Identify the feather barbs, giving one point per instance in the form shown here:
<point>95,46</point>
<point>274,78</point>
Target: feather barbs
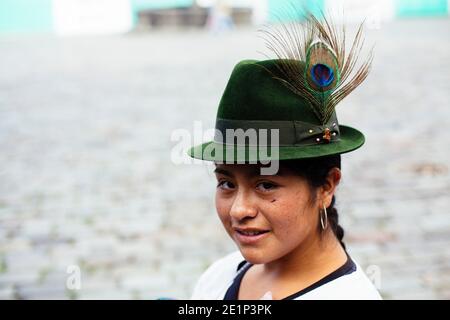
<point>329,73</point>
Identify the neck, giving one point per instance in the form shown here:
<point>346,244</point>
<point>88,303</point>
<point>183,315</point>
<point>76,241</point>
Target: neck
<point>317,256</point>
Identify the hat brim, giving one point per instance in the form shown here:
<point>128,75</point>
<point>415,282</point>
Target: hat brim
<point>350,139</point>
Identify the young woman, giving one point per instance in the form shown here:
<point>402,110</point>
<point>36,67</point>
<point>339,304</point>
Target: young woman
<point>284,224</point>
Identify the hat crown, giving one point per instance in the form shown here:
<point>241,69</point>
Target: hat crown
<point>254,92</point>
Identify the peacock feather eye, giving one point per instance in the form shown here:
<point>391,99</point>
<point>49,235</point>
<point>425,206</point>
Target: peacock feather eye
<point>322,75</point>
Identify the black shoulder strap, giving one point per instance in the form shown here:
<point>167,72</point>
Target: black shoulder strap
<point>240,265</point>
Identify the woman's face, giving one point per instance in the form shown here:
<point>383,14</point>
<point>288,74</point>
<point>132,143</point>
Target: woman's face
<point>267,216</point>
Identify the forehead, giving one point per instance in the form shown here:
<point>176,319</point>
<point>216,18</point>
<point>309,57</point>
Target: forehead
<point>247,170</point>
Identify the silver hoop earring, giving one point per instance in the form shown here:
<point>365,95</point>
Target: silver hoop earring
<point>324,224</point>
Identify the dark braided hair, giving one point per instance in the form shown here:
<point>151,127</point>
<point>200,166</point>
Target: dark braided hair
<point>315,171</point>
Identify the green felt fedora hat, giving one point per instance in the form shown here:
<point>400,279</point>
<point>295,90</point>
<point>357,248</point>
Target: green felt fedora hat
<point>256,99</point>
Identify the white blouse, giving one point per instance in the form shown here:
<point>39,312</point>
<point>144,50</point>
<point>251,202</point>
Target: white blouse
<point>222,279</point>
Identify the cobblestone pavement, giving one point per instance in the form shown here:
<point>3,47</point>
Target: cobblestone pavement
<point>86,177</point>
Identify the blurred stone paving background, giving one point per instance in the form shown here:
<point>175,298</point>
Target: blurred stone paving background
<point>86,177</point>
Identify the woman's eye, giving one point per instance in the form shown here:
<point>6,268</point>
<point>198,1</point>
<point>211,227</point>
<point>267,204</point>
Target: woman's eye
<point>266,186</point>
<point>227,185</point>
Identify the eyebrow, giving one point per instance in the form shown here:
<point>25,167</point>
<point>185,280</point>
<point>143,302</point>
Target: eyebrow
<point>223,171</point>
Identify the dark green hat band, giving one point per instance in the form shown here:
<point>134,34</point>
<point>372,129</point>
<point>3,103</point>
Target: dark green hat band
<point>291,133</point>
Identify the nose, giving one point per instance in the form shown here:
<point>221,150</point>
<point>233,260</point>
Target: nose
<point>243,207</point>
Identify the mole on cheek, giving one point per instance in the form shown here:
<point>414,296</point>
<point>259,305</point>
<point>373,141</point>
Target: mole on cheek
<point>273,200</point>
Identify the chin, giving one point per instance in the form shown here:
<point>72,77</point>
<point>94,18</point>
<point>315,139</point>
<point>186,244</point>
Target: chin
<point>254,255</point>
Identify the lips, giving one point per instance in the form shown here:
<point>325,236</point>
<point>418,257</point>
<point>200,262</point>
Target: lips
<point>250,235</point>
<point>250,232</point>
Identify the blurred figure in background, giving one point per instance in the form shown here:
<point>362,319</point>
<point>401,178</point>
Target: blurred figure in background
<point>219,18</point>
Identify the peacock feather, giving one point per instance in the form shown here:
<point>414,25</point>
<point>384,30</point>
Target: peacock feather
<point>328,74</point>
